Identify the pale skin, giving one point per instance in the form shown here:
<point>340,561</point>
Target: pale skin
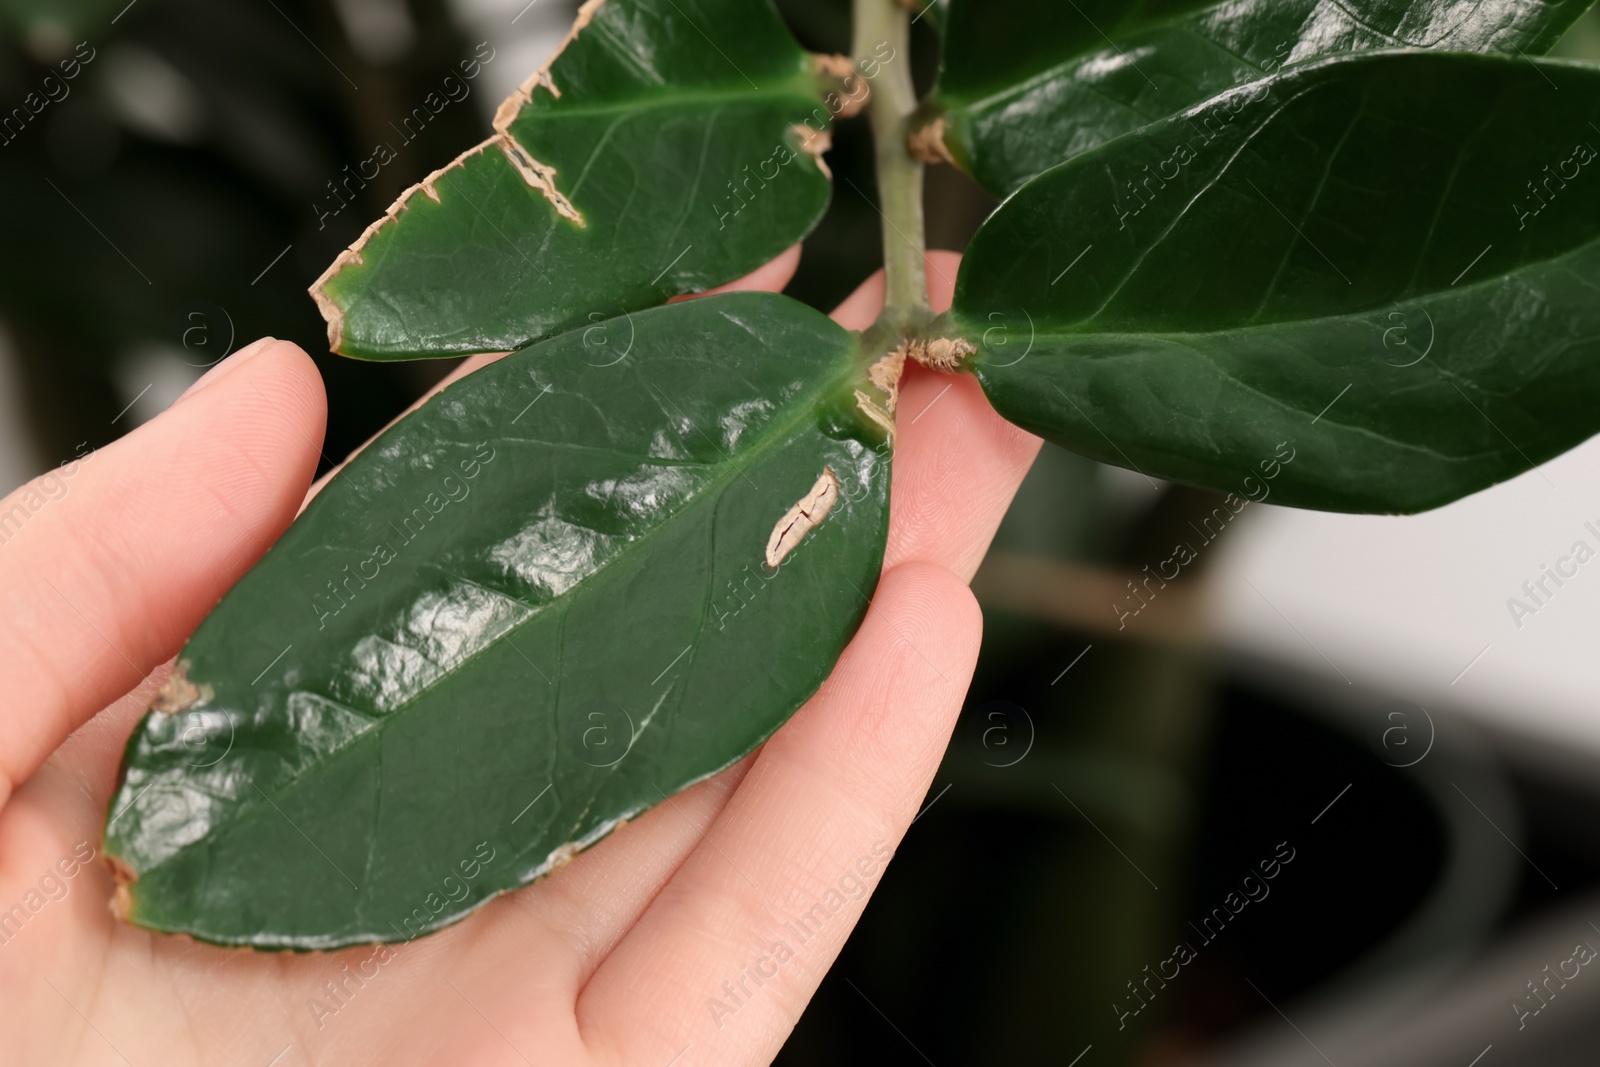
<point>614,958</point>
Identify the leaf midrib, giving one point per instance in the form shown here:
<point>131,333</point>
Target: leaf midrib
<point>793,90</point>
<point>1085,328</point>
<point>1183,339</point>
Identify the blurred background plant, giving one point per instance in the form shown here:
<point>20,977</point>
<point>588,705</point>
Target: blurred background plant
<point>176,173</point>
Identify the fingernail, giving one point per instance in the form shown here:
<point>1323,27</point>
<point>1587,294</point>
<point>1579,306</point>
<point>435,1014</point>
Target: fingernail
<point>225,366</point>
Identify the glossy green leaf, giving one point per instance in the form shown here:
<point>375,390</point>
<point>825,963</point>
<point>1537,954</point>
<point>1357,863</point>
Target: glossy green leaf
<point>663,151</point>
<point>525,613</point>
<point>1389,262</point>
<point>1025,84</point>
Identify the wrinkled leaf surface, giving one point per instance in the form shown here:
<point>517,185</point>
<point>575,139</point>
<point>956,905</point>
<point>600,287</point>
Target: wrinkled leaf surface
<point>530,610</point>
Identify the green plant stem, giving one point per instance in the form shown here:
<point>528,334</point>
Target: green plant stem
<point>893,100</point>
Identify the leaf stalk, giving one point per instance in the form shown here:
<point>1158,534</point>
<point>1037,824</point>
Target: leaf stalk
<point>892,104</point>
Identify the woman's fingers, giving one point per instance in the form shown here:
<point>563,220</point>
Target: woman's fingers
<point>730,951</point>
<point>107,564</point>
<point>582,911</point>
<point>727,955</point>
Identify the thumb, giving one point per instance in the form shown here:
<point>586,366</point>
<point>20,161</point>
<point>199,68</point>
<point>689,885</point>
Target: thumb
<point>108,563</point>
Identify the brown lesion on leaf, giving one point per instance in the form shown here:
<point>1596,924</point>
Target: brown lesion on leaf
<point>840,78</point>
<point>926,142</point>
<point>511,105</point>
<point>814,143</point>
<point>562,856</point>
<point>801,519</point>
<point>539,176</point>
<point>122,896</point>
<point>179,694</point>
<point>876,412</point>
<point>944,354</point>
<point>833,65</point>
<point>884,375</point>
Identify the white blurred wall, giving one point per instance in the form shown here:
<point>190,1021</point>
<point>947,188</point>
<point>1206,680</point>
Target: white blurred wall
<point>1417,607</point>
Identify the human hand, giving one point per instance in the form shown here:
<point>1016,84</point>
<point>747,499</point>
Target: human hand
<point>655,947</point>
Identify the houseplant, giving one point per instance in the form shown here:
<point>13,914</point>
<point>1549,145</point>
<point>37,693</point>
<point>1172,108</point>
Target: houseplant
<point>668,520</point>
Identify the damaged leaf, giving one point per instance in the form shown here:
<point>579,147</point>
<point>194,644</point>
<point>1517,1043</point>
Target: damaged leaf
<point>1384,264</point>
<point>527,612</point>
<point>669,147</point>
<point>1026,84</point>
